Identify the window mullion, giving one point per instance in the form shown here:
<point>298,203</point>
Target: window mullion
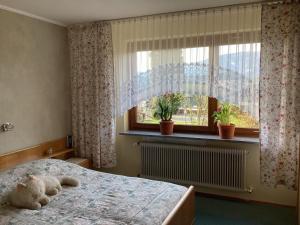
<point>212,107</point>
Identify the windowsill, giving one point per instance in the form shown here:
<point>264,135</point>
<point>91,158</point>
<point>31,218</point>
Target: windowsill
<point>248,140</point>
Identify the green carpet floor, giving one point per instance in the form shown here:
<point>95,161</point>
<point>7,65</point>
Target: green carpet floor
<point>211,211</point>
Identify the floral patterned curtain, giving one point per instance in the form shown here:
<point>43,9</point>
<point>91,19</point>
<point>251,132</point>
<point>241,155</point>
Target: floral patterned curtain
<point>92,86</point>
<point>280,94</point>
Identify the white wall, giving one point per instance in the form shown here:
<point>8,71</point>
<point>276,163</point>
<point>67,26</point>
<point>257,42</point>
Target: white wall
<point>34,81</point>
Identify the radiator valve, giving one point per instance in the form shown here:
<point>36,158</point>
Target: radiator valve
<point>250,189</point>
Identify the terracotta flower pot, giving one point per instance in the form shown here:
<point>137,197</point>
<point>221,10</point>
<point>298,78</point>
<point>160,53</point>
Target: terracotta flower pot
<point>166,127</point>
<point>226,131</point>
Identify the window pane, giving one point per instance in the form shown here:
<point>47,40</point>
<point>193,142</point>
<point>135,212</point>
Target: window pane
<point>193,111</point>
<point>196,70</point>
<point>189,65</point>
<point>144,61</point>
<point>241,59</point>
<point>238,67</point>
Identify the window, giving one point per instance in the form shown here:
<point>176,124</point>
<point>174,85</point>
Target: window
<point>238,61</point>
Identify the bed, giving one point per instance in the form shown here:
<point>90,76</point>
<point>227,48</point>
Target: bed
<point>101,198</point>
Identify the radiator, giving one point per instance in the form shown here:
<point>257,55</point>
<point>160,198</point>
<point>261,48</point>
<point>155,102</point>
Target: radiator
<point>205,166</point>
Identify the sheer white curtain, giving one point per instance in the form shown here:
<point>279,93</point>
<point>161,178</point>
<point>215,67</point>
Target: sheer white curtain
<point>204,52</point>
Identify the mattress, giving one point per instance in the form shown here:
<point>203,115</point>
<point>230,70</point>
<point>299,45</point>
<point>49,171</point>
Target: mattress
<point>101,198</point>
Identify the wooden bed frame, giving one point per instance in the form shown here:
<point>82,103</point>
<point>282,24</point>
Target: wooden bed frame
<point>182,214</point>
<point>184,211</point>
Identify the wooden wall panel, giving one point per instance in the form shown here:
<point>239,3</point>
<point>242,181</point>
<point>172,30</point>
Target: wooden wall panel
<point>32,153</point>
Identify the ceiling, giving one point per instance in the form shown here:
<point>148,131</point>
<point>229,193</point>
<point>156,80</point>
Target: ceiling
<point>66,12</point>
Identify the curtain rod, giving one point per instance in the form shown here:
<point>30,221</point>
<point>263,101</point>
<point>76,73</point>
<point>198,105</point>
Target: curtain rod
<point>267,2</point>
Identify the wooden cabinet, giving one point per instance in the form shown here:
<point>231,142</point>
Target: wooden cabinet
<point>68,155</point>
<point>80,161</point>
<point>63,154</point>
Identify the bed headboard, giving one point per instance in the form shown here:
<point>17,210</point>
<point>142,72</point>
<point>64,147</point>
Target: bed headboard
<point>31,153</point>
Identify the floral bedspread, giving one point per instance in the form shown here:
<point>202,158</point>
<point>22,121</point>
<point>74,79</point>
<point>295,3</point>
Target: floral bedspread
<point>101,198</point>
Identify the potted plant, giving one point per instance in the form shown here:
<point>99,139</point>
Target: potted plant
<point>223,117</point>
<point>167,105</point>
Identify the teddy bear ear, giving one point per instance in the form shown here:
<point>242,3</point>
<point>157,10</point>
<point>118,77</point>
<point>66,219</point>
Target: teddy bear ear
<point>32,177</point>
<point>21,186</point>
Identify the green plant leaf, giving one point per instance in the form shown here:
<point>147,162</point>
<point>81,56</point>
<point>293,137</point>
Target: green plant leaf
<point>224,114</point>
<point>167,105</point>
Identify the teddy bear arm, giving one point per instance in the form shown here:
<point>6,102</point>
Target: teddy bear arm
<point>44,200</point>
<point>34,205</point>
<point>52,192</point>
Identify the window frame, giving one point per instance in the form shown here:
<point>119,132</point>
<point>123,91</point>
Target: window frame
<point>210,129</point>
<point>199,41</point>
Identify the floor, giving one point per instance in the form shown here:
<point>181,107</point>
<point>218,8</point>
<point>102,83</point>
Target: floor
<point>212,211</point>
